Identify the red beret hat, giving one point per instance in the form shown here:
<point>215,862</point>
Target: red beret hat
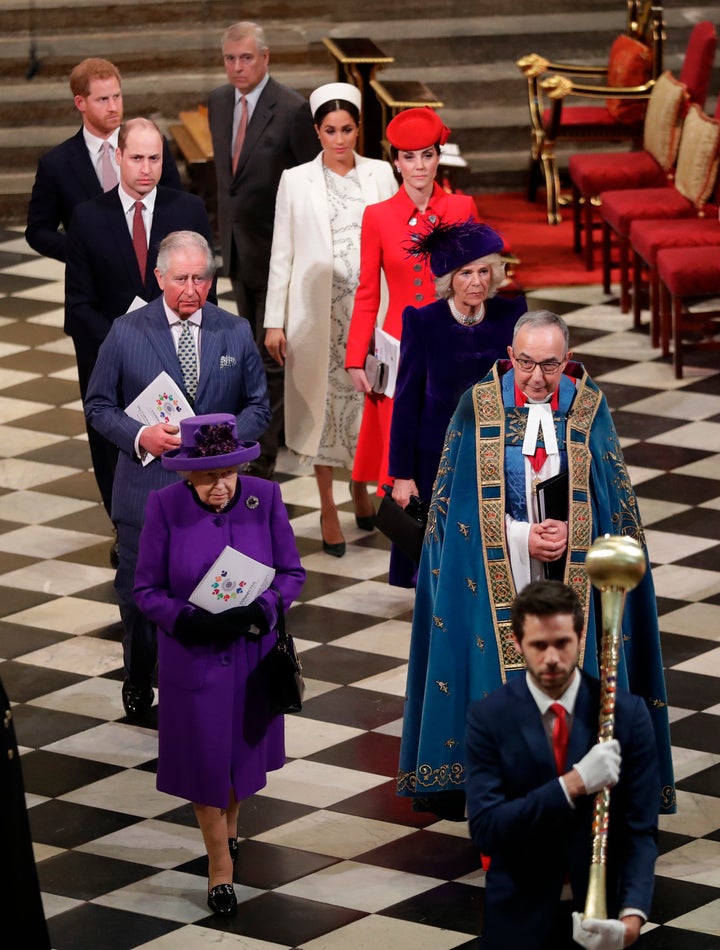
<point>417,128</point>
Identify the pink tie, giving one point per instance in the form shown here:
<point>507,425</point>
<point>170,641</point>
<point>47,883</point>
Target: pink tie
<point>560,737</point>
<point>139,238</point>
<point>240,134</point>
<point>107,172</point>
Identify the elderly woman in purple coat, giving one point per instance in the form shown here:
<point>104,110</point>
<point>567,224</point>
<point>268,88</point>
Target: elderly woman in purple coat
<point>446,347</point>
<point>217,736</point>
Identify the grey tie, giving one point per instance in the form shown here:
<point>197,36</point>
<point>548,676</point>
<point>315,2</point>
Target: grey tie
<point>188,360</point>
<point>107,172</point>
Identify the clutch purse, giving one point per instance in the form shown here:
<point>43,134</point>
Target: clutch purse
<point>283,671</point>
<point>376,372</point>
<point>404,526</point>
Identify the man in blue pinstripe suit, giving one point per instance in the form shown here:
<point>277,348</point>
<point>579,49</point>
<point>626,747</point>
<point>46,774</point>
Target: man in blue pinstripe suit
<point>139,346</point>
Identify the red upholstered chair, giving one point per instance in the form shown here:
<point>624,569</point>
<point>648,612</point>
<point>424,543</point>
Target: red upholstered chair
<point>649,237</point>
<point>689,288</point>
<point>635,61</point>
<point>686,197</point>
<point>649,167</point>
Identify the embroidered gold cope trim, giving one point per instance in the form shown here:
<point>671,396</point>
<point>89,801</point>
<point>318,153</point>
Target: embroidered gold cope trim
<point>490,461</point>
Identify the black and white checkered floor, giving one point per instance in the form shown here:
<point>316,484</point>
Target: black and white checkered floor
<point>330,858</point>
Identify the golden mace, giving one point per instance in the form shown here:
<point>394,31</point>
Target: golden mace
<point>615,564</point>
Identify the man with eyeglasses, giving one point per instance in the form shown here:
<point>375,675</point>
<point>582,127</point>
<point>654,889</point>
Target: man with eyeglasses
<point>532,418</point>
<point>259,128</point>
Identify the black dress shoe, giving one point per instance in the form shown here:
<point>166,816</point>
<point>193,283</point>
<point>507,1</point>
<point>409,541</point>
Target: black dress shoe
<point>221,900</point>
<point>137,700</point>
<point>233,848</point>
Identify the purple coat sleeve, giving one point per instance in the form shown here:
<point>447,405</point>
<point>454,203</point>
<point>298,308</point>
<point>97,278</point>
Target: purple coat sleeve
<point>174,524</point>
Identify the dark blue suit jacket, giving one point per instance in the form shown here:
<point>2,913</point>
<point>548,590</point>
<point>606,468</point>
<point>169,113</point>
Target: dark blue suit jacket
<point>65,177</point>
<point>520,817</point>
<point>102,276</point>
<point>138,348</point>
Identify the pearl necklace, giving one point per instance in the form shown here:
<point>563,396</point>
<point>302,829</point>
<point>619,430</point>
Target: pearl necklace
<point>465,319</point>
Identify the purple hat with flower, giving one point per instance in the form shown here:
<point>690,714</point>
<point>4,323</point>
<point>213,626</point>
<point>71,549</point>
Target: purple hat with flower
<point>209,442</point>
<point>449,246</point>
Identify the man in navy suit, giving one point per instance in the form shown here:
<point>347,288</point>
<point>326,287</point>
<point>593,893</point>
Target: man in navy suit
<point>531,812</point>
<point>103,275</point>
<point>279,134</point>
<point>72,172</point>
<point>139,346</point>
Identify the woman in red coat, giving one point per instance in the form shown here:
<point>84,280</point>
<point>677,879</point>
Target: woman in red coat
<point>415,136</point>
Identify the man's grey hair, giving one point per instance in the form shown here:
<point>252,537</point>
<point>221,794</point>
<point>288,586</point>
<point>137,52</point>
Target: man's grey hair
<point>542,318</point>
<point>180,241</point>
<point>241,30</point>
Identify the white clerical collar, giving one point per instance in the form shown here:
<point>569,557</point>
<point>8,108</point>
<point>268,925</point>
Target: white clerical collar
<point>539,417</point>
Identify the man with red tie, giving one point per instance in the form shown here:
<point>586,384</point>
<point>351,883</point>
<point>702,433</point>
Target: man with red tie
<point>535,417</point>
<point>111,256</point>
<point>84,165</point>
<point>533,766</point>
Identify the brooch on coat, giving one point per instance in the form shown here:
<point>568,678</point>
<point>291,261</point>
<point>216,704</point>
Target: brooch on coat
<point>251,502</point>
<point>226,361</point>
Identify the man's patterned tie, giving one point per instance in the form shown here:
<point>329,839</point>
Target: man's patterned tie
<point>188,360</point>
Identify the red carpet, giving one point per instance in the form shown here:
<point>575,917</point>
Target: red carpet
<point>545,251</point>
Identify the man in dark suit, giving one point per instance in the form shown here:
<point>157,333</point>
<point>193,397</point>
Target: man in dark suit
<point>229,378</point>
<point>276,132</point>
<point>81,167</point>
<point>530,809</point>
<point>103,274</point>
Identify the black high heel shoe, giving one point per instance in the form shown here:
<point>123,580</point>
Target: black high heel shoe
<point>222,900</point>
<point>364,522</point>
<point>233,848</point>
<point>334,550</point>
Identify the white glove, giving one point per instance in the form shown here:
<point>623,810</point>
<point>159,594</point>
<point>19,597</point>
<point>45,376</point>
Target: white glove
<point>600,766</point>
<point>596,934</point>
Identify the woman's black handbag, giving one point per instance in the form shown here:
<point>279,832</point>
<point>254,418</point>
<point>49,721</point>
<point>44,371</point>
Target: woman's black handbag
<point>404,526</point>
<point>283,670</point>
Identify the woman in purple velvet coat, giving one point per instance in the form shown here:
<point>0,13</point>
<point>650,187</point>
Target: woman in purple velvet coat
<point>446,347</point>
<point>217,736</point>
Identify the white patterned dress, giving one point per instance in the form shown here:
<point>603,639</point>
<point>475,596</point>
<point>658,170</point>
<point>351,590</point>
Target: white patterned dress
<point>343,406</point>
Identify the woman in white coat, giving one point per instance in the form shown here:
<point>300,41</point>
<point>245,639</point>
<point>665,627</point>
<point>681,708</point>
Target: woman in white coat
<point>314,273</point>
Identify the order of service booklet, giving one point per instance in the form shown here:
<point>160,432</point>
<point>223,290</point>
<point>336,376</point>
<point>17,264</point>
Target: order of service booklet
<point>161,401</point>
<point>234,580</point>
<point>387,350</point>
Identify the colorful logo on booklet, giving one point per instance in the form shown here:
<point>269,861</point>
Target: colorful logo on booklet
<point>225,588</point>
<point>167,404</point>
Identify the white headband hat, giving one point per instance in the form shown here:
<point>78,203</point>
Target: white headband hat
<point>335,90</point>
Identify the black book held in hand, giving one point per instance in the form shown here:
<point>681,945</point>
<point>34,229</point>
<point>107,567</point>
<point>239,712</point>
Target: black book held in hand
<point>553,495</point>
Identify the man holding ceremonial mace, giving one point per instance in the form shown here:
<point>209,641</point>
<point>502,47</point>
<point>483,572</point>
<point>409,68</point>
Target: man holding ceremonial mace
<point>534,764</point>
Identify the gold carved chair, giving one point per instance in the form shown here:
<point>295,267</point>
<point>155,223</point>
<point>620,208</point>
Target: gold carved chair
<point>634,63</point>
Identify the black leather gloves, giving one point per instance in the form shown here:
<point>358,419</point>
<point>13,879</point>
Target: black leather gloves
<point>195,625</point>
